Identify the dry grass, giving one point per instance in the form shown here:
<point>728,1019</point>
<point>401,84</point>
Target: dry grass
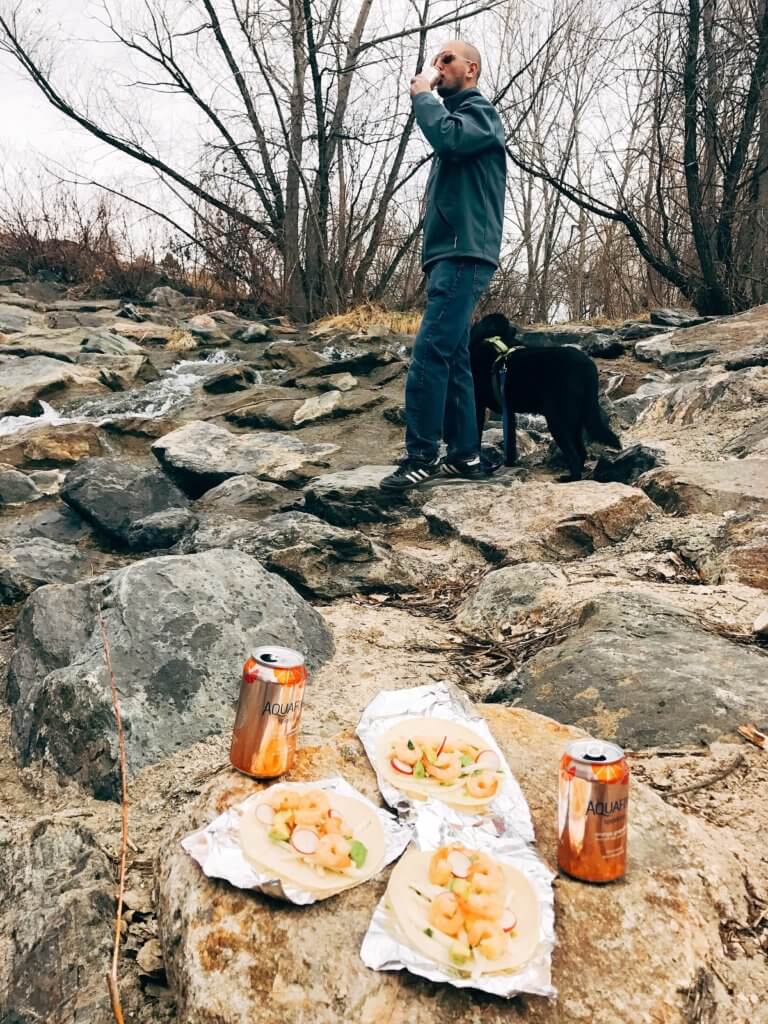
<point>181,341</point>
<point>363,317</point>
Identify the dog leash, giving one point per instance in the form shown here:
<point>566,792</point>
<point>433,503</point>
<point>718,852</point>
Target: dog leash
<point>499,372</point>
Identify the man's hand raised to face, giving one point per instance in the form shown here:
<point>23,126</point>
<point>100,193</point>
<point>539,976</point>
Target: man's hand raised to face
<point>421,83</point>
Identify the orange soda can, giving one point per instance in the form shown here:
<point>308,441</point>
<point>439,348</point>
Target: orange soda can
<point>268,712</point>
<point>592,806</point>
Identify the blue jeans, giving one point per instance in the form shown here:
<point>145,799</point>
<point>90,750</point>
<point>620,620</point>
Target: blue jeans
<point>439,393</point>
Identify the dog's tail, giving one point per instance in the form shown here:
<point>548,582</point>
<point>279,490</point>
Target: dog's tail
<point>598,427</point>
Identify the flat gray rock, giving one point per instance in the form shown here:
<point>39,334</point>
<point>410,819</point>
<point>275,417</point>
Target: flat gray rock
<point>713,342</point>
<point>354,496</point>
<point>750,443</point>
<point>160,530</point>
<point>57,922</point>
<point>60,523</point>
<point>251,497</point>
<point>738,485</point>
<point>17,488</point>
<point>115,493</point>
<point>320,560</point>
<point>644,675</point>
<point>537,521</point>
<point>705,390</point>
<point>179,627</point>
<point>26,564</point>
<point>201,455</point>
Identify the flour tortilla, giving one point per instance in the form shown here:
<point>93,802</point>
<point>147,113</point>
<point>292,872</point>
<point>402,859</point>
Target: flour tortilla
<point>411,915</point>
<point>281,861</point>
<point>433,729</point>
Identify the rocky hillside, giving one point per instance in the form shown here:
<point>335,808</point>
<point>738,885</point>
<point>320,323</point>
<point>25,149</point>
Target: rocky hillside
<point>198,484</point>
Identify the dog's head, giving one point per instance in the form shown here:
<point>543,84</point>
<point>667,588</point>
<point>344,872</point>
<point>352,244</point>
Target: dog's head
<point>495,325</point>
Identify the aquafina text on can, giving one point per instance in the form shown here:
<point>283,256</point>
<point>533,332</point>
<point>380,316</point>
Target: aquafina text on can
<point>592,811</point>
<point>268,712</point>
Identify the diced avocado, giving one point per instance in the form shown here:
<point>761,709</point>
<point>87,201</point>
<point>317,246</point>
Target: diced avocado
<point>466,760</point>
<point>419,771</point>
<point>358,852</point>
<point>459,952</point>
<point>460,886</point>
<point>280,830</point>
<point>430,755</point>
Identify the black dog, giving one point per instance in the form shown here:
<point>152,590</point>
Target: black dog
<point>560,384</point>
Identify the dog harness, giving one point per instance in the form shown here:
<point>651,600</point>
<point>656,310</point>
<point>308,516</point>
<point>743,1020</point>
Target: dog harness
<point>499,381</point>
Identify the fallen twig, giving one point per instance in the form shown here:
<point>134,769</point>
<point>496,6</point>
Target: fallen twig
<point>710,779</point>
<point>114,993</point>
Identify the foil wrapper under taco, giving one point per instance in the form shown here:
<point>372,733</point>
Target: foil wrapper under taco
<point>394,718</point>
<point>401,934</point>
<point>236,845</point>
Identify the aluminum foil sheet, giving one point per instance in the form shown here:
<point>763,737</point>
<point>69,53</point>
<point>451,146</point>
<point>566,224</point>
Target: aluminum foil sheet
<point>385,949</point>
<point>507,812</point>
<point>216,848</point>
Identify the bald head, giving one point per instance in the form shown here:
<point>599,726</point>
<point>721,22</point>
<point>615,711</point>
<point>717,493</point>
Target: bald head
<point>463,49</point>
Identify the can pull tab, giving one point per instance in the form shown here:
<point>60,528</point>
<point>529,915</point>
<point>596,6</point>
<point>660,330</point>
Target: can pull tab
<point>269,658</point>
<point>594,752</point>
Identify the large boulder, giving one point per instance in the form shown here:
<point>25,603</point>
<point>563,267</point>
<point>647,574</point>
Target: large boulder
<point>738,485</point>
<point>200,455</point>
<point>318,559</point>
<point>26,564</point>
<point>24,382</point>
<point>47,446</point>
<point>537,521</point>
<point>56,924</point>
<point>179,629</point>
<point>640,672</point>
<point>706,391</point>
<point>114,493</point>
<point>234,956</point>
<point>713,342</point>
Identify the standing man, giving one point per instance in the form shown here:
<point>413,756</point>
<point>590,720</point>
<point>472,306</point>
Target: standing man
<point>462,238</point>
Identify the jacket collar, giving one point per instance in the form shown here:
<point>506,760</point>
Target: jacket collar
<point>452,102</point>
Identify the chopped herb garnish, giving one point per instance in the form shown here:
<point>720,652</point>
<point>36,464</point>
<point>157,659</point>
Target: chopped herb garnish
<point>358,852</point>
<point>411,745</point>
<point>428,932</point>
<point>466,760</point>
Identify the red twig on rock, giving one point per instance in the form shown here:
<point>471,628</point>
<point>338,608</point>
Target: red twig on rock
<point>114,993</point>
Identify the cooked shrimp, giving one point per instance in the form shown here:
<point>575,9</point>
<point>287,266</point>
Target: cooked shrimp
<point>482,786</point>
<point>445,914</point>
<point>480,904</point>
<point>439,871</point>
<point>403,752</point>
<point>446,768</point>
<point>485,876</point>
<point>287,800</point>
<point>488,936</point>
<point>312,809</point>
<point>333,852</point>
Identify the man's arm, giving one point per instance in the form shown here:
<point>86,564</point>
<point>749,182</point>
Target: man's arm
<point>461,133</point>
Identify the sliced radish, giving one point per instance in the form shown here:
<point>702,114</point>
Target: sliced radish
<point>265,814</point>
<point>488,759</point>
<point>440,749</point>
<point>401,766</point>
<point>508,921</point>
<point>304,840</point>
<point>459,863</point>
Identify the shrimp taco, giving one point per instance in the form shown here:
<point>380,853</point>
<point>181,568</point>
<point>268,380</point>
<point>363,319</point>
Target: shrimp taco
<point>464,910</point>
<point>433,757</point>
<point>314,839</point>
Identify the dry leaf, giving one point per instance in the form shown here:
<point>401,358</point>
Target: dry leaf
<point>752,733</point>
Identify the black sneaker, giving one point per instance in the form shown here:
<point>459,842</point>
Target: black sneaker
<point>410,473</point>
<point>478,468</point>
